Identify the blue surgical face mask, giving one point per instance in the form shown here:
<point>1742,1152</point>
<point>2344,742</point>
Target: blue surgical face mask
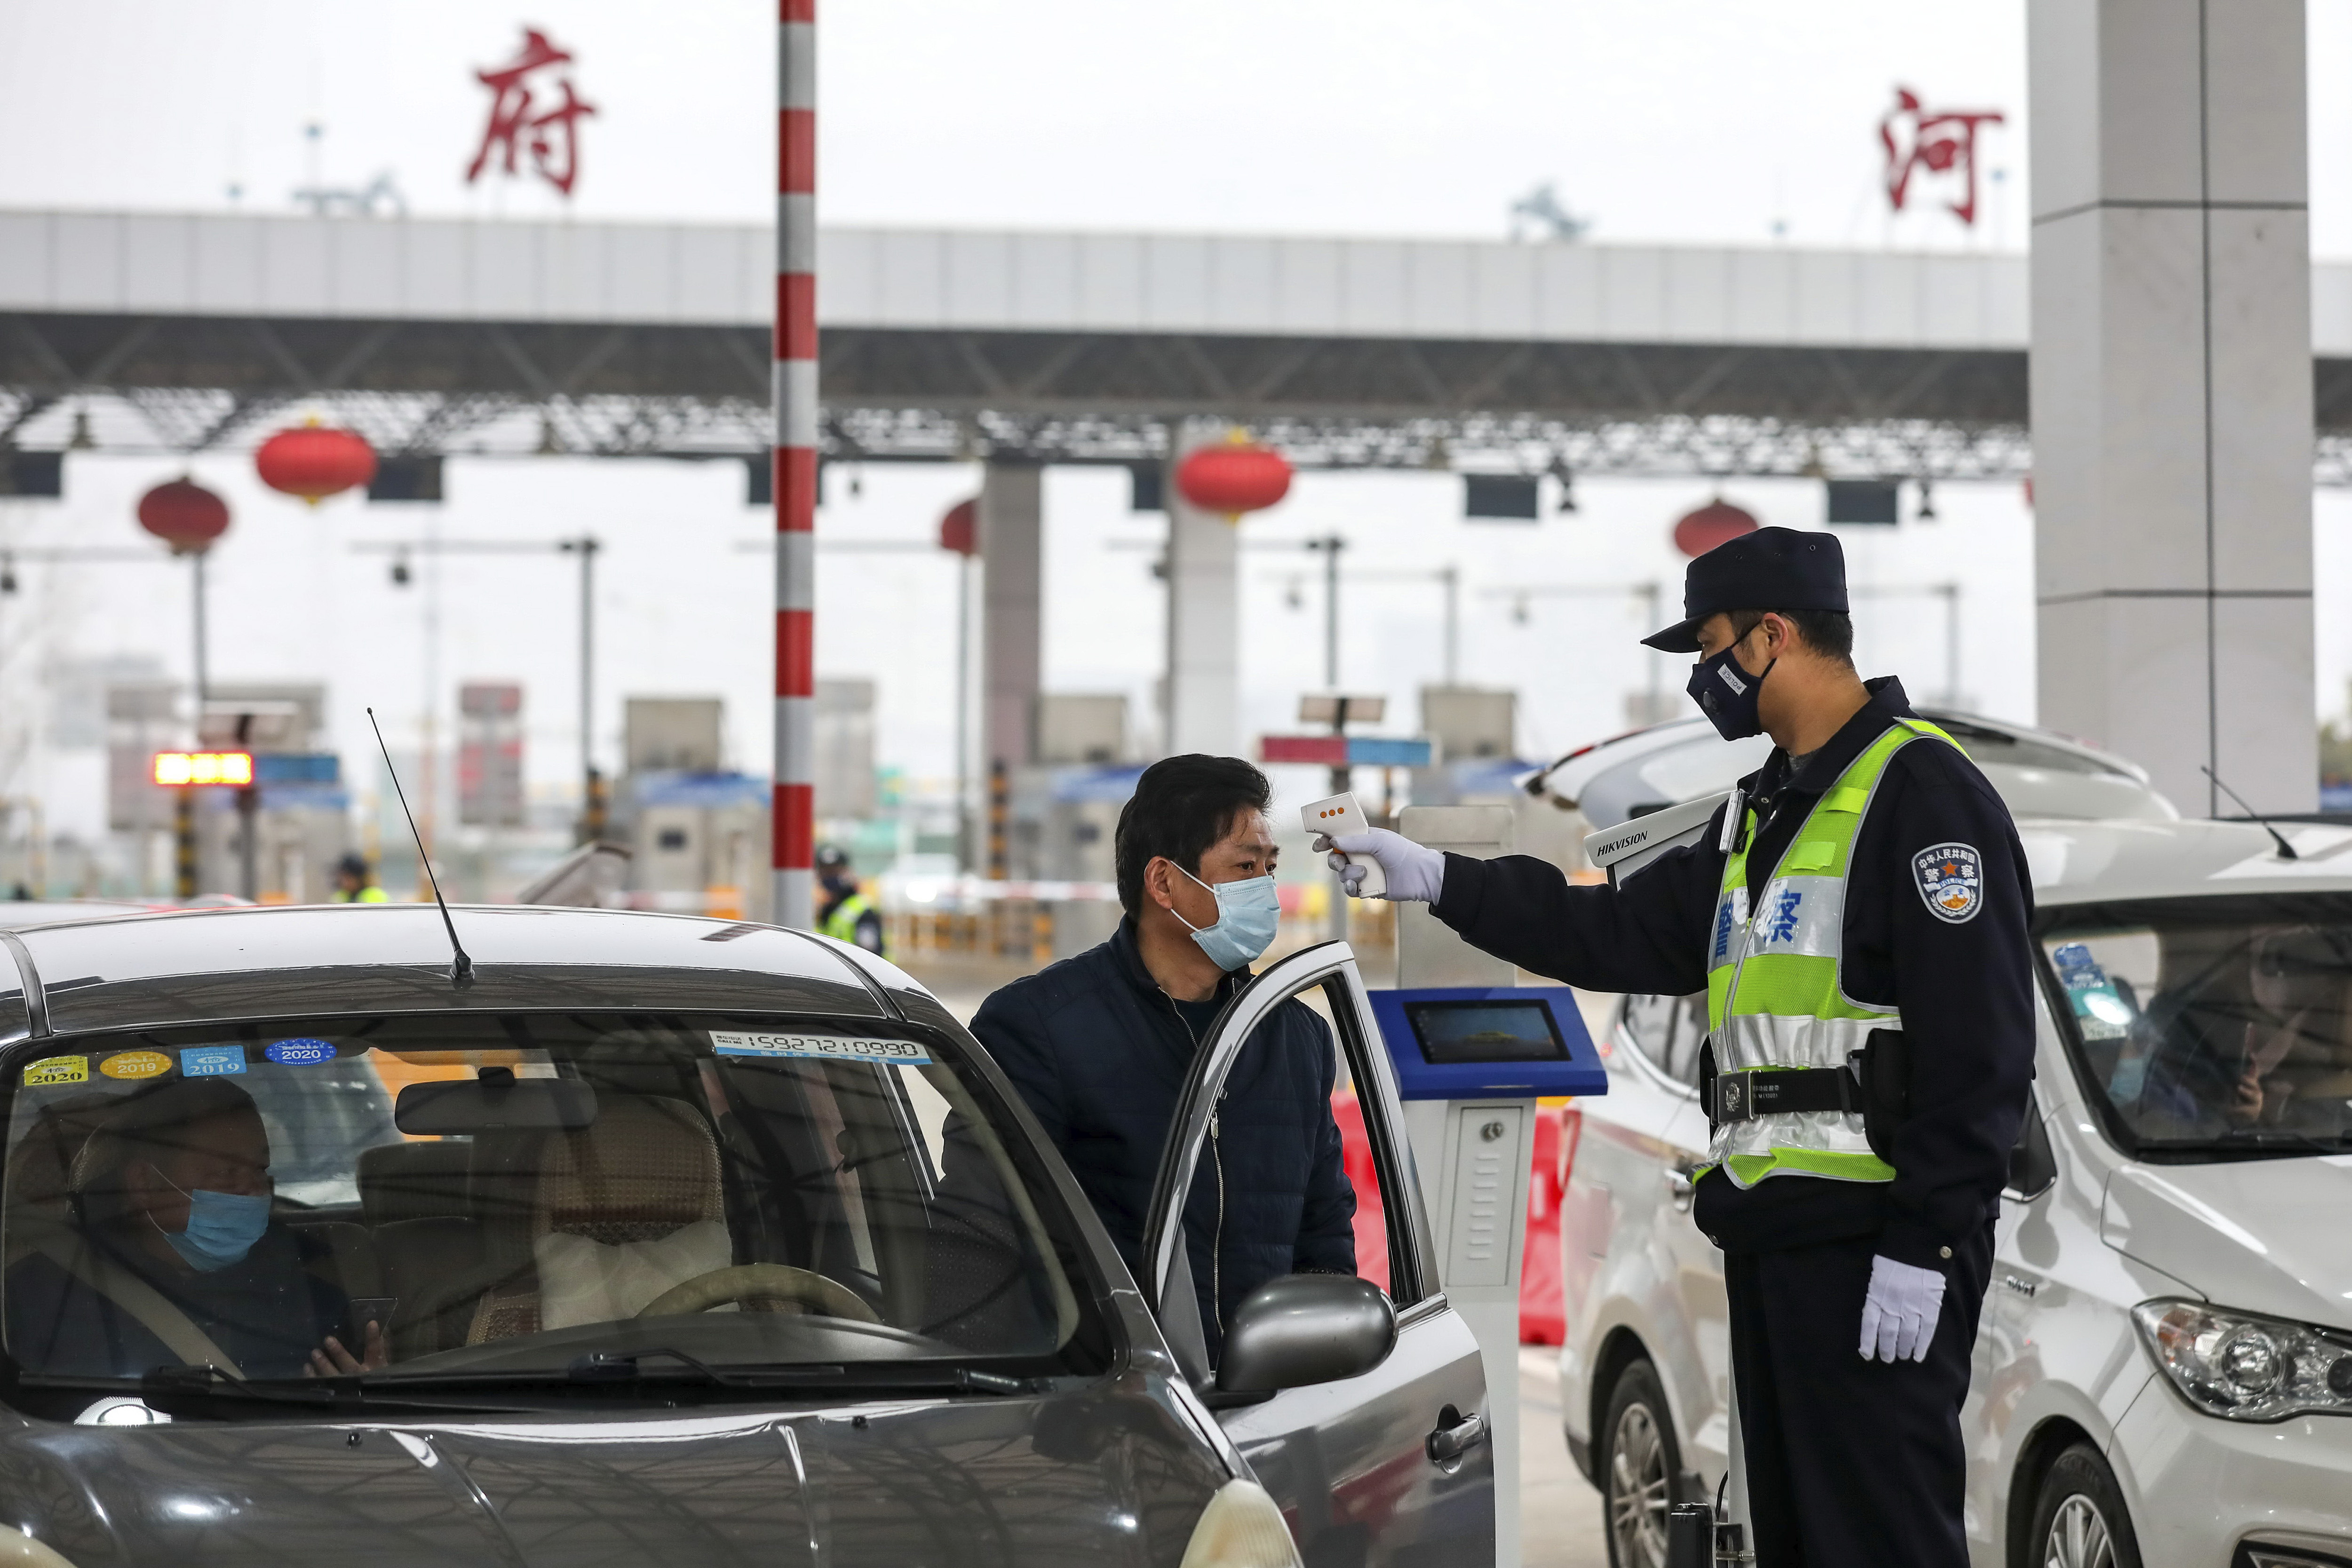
<point>1247,912</point>
<point>1728,694</point>
<point>222,1227</point>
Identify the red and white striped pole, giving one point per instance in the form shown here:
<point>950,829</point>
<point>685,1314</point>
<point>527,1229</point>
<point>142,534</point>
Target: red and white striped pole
<point>793,835</point>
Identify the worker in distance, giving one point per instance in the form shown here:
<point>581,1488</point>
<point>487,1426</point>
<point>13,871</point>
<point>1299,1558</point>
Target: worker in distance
<point>1856,913</point>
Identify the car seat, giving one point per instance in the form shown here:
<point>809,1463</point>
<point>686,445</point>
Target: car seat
<point>623,1209</point>
<point>425,1180</point>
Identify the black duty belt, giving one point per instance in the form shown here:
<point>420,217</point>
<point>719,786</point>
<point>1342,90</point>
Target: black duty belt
<point>1775,1092</point>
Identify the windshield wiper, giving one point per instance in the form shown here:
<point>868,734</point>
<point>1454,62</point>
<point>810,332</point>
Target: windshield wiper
<point>626,1369</point>
<point>185,1390</point>
<point>2285,1138</point>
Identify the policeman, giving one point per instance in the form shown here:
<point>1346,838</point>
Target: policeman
<point>848,914</point>
<point>1856,914</point>
<point>354,883</point>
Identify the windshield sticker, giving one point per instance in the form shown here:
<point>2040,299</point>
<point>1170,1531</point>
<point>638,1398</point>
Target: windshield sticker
<point>300,1053</point>
<point>822,1047</point>
<point>211,1061</point>
<point>56,1070</point>
<point>135,1065</point>
<point>2098,1007</point>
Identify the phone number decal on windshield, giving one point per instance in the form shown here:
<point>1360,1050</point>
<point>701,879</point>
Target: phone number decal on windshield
<point>822,1047</point>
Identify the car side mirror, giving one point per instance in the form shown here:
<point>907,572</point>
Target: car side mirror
<point>2032,1163</point>
<point>1303,1329</point>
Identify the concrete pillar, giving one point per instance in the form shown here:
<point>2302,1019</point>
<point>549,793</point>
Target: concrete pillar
<point>1013,626</point>
<point>2172,391</point>
<point>1204,696</point>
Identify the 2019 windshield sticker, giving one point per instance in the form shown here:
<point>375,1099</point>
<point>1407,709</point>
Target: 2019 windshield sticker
<point>211,1061</point>
<point>132,1065</point>
<point>819,1048</point>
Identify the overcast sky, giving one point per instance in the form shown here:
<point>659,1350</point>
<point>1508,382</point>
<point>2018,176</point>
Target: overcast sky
<point>1705,120</point>
<point>1693,121</point>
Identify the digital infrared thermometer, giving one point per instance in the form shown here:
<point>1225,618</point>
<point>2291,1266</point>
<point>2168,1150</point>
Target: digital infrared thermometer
<point>1341,815</point>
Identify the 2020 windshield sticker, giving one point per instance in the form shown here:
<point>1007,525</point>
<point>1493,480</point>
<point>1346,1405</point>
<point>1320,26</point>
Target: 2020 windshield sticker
<point>211,1061</point>
<point>819,1048</point>
<point>1951,878</point>
<point>50,1071</point>
<point>300,1053</point>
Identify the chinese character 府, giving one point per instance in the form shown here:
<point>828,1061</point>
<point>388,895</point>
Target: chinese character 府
<point>1939,142</point>
<point>552,137</point>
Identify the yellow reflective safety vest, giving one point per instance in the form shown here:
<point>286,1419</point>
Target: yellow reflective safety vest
<point>371,894</point>
<point>1774,1001</point>
<point>842,924</point>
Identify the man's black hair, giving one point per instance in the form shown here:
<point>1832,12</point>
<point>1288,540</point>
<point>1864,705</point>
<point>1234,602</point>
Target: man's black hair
<point>1828,633</point>
<point>149,1124</point>
<point>1182,806</point>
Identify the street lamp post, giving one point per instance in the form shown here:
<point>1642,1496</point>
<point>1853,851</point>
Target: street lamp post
<point>591,814</point>
<point>592,798</point>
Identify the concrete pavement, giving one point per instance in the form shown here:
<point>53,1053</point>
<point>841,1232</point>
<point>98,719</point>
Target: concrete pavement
<point>1560,1524</point>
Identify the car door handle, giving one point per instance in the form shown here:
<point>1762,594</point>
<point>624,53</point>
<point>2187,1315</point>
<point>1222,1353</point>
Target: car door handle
<point>1455,1436</point>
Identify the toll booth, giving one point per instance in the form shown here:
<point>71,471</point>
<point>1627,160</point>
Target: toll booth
<point>1473,1052</point>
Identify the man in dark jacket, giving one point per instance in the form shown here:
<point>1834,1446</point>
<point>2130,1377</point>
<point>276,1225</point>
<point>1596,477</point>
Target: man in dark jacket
<point>1862,900</point>
<point>1100,1047</point>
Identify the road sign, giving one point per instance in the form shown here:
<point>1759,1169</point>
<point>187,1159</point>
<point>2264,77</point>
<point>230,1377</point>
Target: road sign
<point>1346,751</point>
<point>182,769</point>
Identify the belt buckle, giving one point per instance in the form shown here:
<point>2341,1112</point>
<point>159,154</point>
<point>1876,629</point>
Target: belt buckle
<point>1731,1097</point>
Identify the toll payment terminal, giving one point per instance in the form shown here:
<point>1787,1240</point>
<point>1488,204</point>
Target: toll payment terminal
<point>1474,1053</point>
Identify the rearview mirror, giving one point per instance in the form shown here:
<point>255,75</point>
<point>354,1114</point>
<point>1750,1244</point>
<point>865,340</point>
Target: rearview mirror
<point>1303,1329</point>
<point>497,1102</point>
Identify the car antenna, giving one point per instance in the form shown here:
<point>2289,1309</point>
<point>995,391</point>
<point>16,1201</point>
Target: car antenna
<point>461,972</point>
<point>2286,850</point>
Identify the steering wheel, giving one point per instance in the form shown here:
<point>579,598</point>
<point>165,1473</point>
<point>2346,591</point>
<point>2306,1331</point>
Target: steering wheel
<point>761,1288</point>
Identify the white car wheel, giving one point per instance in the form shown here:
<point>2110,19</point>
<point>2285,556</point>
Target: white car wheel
<point>2080,1521</point>
<point>1638,1469</point>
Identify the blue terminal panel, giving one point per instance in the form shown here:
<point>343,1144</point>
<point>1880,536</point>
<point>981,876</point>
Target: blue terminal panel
<point>1488,1042</point>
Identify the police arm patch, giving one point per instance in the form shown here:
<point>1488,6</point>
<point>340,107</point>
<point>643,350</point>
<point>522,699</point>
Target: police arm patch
<point>1950,878</point>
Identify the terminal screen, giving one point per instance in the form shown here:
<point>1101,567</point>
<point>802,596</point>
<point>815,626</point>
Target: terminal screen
<point>1454,1032</point>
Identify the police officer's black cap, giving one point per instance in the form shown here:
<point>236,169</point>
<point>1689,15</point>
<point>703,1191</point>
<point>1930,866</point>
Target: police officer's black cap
<point>1770,569</point>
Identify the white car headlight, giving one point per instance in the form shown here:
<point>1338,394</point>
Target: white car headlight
<point>1240,1528</point>
<point>2248,1368</point>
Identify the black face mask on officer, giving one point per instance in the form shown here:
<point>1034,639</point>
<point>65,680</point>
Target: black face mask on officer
<point>1728,694</point>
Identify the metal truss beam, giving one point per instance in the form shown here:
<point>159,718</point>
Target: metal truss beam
<point>188,384</point>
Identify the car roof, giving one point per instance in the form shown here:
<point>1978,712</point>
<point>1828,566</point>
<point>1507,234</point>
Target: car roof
<point>2037,771</point>
<point>2087,862</point>
<point>197,966</point>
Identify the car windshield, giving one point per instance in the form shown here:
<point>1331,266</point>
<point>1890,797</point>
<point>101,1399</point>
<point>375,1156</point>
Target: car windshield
<point>2213,1027</point>
<point>527,1197</point>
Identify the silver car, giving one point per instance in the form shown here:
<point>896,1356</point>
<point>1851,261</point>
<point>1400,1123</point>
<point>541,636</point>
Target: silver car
<point>654,1239</point>
<point>2162,1374</point>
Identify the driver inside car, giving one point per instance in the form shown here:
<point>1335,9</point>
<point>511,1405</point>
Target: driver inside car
<point>172,1245</point>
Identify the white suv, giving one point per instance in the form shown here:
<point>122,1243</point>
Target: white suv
<point>2163,1373</point>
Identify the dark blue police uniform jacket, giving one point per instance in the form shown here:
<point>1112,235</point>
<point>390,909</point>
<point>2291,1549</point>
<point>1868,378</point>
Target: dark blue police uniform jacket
<point>1101,1053</point>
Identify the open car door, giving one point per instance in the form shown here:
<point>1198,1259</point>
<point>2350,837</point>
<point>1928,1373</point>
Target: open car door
<point>1393,1464</point>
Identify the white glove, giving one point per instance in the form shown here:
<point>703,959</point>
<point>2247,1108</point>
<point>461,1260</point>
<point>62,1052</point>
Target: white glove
<point>1417,873</point>
<point>1898,1316</point>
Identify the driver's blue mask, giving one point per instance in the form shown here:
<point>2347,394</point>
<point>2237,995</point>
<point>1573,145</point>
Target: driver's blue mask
<point>1247,912</point>
<point>222,1227</point>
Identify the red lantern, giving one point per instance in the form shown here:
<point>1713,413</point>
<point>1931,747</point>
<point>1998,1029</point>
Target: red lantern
<point>315,461</point>
<point>960,528</point>
<point>183,515</point>
<point>1233,479</point>
<point>1716,523</point>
